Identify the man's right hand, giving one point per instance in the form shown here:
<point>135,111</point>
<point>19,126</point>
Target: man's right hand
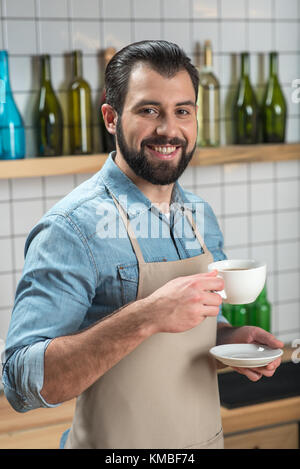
<point>185,302</point>
<point>179,305</point>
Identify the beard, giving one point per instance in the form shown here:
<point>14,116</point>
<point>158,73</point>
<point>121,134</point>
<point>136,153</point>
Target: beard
<point>156,172</point>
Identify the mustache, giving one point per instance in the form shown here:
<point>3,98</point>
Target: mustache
<point>157,141</point>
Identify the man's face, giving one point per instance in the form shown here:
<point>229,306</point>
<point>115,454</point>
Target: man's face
<point>157,131</point>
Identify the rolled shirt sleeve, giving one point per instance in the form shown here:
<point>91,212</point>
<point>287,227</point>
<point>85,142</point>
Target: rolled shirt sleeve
<point>56,289</point>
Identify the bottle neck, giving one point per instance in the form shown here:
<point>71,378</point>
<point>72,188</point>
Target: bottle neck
<point>208,57</point>
<point>263,294</point>
<point>245,65</point>
<point>77,64</point>
<point>4,72</point>
<point>45,69</point>
<point>273,64</point>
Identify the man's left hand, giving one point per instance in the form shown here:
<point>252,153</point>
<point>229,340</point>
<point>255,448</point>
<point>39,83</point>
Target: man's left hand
<point>249,335</point>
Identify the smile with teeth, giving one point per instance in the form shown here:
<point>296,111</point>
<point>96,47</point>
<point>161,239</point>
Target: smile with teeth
<point>165,150</point>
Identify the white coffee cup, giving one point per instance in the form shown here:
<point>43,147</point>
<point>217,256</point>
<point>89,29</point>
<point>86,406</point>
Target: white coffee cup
<point>244,279</point>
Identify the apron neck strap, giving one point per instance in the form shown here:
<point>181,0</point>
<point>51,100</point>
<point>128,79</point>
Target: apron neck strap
<point>132,237</point>
<point>190,218</point>
<point>130,232</point>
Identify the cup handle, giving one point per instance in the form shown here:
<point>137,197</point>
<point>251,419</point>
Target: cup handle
<point>222,292</point>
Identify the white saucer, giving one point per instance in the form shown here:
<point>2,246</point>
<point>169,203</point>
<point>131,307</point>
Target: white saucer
<point>245,355</point>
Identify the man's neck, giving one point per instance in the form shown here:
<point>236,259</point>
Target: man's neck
<point>159,195</point>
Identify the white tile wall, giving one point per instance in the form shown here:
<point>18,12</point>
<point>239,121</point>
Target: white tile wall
<point>145,9</point>
<point>181,10</point>
<point>262,191</point>
<point>260,9</point>
<point>287,36</point>
<point>116,9</point>
<point>257,204</point>
<point>233,9</point>
<point>54,37</point>
<point>230,31</point>
<point>53,9</point>
<point>15,8</point>
<point>144,30</point>
<point>260,37</point>
<point>285,9</point>
<point>208,29</point>
<point>204,9</point>
<point>86,9</point>
<point>16,31</point>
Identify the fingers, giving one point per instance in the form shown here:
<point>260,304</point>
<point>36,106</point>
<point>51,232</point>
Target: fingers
<point>251,373</point>
<point>207,281</point>
<point>209,311</point>
<point>210,298</point>
<point>254,374</point>
<point>209,284</point>
<point>273,365</point>
<point>266,338</point>
<point>213,273</point>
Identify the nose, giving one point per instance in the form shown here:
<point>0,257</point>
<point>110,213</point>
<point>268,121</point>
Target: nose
<point>167,126</point>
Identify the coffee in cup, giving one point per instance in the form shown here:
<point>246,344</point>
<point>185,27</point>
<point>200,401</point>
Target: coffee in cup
<point>244,279</point>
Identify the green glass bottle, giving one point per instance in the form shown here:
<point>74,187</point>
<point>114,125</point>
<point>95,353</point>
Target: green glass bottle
<point>227,312</point>
<point>274,107</point>
<point>208,103</point>
<point>251,310</point>
<point>49,115</point>
<point>79,110</point>
<point>240,315</point>
<point>263,311</point>
<point>245,108</point>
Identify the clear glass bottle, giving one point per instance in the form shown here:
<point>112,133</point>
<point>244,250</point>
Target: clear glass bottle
<point>49,115</point>
<point>12,131</point>
<point>80,110</point>
<point>245,108</point>
<point>208,103</point>
<point>274,107</point>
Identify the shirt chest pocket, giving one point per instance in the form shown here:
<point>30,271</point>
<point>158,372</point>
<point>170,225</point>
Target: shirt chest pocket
<point>128,276</point>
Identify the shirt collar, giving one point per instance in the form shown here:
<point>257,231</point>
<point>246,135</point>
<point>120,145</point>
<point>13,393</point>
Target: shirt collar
<point>129,196</point>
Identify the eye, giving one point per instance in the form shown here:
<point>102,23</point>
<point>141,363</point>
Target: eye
<point>148,111</point>
<point>183,112</point>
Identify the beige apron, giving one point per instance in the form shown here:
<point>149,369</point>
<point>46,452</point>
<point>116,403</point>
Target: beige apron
<point>164,394</point>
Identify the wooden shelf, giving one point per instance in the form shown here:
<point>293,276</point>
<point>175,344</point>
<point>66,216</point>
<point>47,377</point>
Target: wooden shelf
<point>246,153</point>
<point>41,166</point>
<point>54,166</point>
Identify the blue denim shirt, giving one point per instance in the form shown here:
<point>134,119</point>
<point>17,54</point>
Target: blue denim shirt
<point>80,266</point>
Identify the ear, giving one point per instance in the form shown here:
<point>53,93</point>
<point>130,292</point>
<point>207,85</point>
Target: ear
<point>110,118</point>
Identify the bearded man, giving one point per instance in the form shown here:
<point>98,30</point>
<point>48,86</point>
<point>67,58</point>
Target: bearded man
<point>123,318</point>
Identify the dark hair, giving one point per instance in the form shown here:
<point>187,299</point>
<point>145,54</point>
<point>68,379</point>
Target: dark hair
<point>164,57</point>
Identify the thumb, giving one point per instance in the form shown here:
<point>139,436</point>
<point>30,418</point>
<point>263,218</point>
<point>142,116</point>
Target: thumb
<point>266,338</point>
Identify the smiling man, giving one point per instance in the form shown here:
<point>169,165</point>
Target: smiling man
<point>125,323</point>
<point>157,153</point>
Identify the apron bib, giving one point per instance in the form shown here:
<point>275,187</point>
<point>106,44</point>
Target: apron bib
<point>164,394</point>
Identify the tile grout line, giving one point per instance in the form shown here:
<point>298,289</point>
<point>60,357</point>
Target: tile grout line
<point>13,254</point>
<point>275,247</point>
